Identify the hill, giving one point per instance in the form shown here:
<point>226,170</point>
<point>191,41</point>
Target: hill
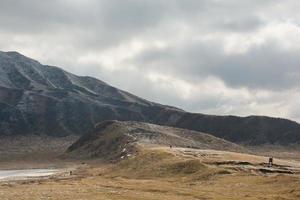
<point>115,139</point>
<point>41,99</point>
<point>146,164</point>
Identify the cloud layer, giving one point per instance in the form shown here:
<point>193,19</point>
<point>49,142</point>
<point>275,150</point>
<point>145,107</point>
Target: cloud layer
<point>211,56</point>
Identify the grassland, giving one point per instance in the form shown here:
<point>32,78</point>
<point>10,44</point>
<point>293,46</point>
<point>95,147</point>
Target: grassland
<point>168,174</point>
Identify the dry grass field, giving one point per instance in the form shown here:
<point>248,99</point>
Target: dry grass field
<point>168,174</point>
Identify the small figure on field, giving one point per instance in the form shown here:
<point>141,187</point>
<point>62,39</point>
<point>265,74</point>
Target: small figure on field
<point>270,162</point>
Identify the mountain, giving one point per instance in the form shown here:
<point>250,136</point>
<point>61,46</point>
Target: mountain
<point>41,99</point>
<point>115,139</point>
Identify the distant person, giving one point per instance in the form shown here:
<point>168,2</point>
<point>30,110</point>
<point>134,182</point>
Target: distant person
<point>71,173</point>
<point>270,162</point>
<point>170,146</point>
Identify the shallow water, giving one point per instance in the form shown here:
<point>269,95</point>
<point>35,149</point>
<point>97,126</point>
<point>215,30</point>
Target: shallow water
<point>27,173</point>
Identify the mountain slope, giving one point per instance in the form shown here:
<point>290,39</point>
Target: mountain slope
<point>251,130</point>
<point>42,99</point>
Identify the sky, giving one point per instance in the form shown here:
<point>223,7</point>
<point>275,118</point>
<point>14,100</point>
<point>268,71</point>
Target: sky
<point>233,57</point>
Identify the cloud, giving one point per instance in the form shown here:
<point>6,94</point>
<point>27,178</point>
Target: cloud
<point>212,56</point>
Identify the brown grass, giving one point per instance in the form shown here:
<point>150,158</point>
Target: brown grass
<point>155,174</point>
<point>159,164</point>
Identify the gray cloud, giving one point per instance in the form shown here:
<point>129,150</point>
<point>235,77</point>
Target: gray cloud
<point>119,20</point>
<point>219,57</point>
<point>264,67</point>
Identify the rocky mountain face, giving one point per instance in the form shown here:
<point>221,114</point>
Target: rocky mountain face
<point>41,99</point>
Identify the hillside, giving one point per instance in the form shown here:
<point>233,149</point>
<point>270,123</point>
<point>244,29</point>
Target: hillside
<point>41,99</point>
<point>115,140</point>
<point>252,130</point>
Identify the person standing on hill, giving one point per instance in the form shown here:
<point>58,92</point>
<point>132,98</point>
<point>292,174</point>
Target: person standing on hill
<point>270,162</point>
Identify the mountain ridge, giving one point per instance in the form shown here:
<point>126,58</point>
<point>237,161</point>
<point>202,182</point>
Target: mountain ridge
<point>43,99</point>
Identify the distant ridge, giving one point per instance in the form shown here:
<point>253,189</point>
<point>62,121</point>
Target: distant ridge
<point>42,99</point>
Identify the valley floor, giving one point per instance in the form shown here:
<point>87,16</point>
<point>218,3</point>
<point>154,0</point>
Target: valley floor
<point>168,174</point>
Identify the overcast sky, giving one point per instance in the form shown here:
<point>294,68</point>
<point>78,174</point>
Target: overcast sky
<point>239,57</point>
